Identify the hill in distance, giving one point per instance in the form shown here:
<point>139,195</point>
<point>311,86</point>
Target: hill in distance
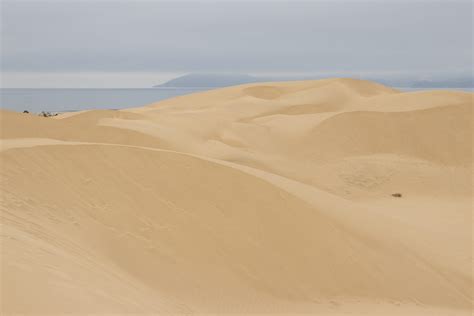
<point>208,80</point>
<point>219,80</point>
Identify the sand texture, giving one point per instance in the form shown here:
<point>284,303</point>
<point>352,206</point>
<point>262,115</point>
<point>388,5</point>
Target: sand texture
<point>259,198</point>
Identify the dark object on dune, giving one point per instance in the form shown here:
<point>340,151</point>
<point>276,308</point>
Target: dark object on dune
<point>26,111</point>
<point>397,195</point>
<point>47,114</point>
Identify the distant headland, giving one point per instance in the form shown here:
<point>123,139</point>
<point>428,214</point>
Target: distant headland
<point>208,80</point>
<point>218,80</point>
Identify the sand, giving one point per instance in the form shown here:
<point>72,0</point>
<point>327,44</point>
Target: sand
<point>260,198</point>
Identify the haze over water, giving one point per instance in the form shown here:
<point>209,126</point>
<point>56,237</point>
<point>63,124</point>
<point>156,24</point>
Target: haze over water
<point>60,100</point>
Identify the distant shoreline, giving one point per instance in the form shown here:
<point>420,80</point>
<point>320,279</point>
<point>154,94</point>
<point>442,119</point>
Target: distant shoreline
<point>36,100</point>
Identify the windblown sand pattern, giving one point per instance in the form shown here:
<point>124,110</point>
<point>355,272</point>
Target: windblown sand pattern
<point>338,196</point>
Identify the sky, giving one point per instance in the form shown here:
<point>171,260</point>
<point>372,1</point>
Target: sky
<point>108,43</point>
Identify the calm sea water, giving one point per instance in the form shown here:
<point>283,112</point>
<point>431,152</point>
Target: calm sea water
<point>61,100</point>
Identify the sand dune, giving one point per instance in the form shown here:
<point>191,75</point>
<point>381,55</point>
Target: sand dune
<point>260,198</point>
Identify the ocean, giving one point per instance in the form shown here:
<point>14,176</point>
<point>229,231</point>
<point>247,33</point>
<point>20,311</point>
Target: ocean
<point>65,100</point>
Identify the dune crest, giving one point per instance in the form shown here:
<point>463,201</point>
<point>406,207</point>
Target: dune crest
<point>259,198</point>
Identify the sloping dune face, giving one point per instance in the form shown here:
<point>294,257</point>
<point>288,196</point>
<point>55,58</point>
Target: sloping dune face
<point>261,198</point>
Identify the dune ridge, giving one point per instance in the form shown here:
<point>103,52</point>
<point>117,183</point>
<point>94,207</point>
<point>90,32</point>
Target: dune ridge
<point>259,198</point>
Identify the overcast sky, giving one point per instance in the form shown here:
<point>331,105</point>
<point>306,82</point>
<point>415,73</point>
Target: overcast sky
<point>138,43</point>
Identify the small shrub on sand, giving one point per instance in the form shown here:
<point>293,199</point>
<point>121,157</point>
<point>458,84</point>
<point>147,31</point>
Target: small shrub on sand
<point>47,114</point>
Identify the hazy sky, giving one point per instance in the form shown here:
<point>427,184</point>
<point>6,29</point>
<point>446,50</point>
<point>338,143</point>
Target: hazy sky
<point>139,43</point>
